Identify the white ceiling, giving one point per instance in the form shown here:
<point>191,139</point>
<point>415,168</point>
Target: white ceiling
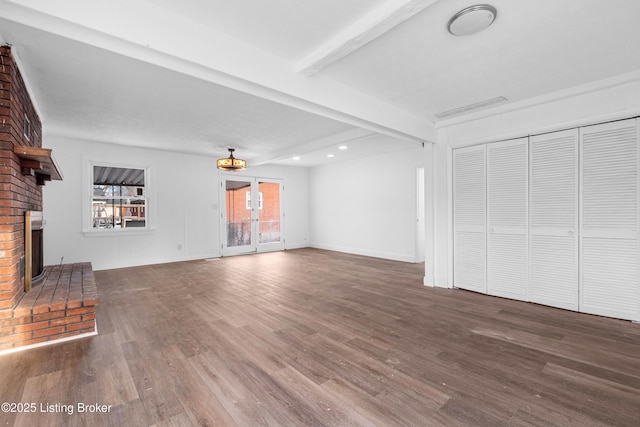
<point>287,28</point>
<point>288,78</point>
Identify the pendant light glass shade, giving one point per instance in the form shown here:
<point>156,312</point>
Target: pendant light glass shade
<point>231,163</point>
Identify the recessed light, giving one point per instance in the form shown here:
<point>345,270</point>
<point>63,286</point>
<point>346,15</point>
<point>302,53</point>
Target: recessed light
<point>296,158</point>
<point>330,155</point>
<point>342,147</point>
<point>472,19</point>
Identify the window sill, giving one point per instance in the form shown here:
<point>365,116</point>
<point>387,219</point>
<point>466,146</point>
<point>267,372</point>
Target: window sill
<point>120,232</point>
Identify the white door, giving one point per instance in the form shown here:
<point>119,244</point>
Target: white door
<point>252,215</point>
<point>609,282</point>
<point>553,232</point>
<point>469,219</point>
<point>507,247</point>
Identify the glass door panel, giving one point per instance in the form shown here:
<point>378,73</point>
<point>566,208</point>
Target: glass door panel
<point>269,212</point>
<point>270,219</point>
<point>239,236</point>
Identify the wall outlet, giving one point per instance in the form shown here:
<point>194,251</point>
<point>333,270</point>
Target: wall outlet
<point>179,246</point>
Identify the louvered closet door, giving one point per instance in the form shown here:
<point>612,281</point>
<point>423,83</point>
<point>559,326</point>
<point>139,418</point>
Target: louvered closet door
<point>553,234</point>
<point>609,220</point>
<point>507,248</point>
<point>469,202</point>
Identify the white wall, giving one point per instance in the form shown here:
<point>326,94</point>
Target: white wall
<point>606,100</point>
<point>367,207</point>
<point>183,199</point>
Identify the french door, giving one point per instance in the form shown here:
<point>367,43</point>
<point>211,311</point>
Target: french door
<point>252,215</point>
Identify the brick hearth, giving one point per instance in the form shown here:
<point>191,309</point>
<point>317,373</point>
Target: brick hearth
<point>62,307</point>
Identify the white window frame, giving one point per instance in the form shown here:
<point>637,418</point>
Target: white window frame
<point>26,128</point>
<point>87,200</point>
<point>247,200</point>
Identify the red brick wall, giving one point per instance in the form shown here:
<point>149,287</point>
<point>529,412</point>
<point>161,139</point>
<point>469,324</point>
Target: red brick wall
<point>18,193</point>
<point>237,208</point>
<point>270,213</point>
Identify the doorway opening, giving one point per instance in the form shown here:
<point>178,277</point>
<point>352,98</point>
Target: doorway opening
<point>252,215</point>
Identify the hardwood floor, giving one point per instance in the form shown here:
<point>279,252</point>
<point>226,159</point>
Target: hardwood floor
<point>310,338</point>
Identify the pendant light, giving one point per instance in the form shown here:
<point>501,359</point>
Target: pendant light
<point>231,163</point>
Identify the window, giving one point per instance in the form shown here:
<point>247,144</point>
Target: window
<point>26,127</point>
<point>119,198</point>
<point>247,199</point>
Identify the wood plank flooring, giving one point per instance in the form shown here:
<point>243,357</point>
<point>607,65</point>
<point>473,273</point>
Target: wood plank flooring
<point>313,338</point>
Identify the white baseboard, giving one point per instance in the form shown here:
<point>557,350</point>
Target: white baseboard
<point>366,252</point>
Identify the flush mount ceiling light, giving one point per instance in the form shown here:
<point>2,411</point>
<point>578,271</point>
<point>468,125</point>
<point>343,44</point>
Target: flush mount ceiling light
<point>472,19</point>
<point>231,163</point>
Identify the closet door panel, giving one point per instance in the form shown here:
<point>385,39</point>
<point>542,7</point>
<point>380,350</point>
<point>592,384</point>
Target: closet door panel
<point>610,277</point>
<point>507,266</point>
<point>554,219</point>
<point>610,284</point>
<point>470,261</point>
<point>469,218</point>
<point>507,251</point>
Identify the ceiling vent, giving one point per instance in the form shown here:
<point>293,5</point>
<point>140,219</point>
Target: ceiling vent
<point>471,107</point>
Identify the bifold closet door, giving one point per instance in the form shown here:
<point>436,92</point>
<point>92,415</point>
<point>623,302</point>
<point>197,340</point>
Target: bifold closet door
<point>553,219</point>
<point>469,218</point>
<point>609,282</point>
<point>507,247</point>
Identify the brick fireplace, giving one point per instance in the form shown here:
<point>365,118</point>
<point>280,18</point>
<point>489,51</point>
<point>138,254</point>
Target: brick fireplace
<point>62,302</point>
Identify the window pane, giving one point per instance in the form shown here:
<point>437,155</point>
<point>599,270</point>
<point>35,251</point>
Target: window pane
<point>118,213</point>
<point>131,191</point>
<point>119,197</point>
<point>133,214</point>
<point>118,176</point>
<point>102,190</point>
<point>102,213</point>
<point>238,201</point>
<point>269,217</point>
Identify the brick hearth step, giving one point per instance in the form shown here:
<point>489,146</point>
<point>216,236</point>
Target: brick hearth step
<point>62,307</point>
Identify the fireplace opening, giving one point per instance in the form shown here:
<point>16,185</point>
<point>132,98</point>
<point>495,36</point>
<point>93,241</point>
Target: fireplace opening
<point>34,250</point>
